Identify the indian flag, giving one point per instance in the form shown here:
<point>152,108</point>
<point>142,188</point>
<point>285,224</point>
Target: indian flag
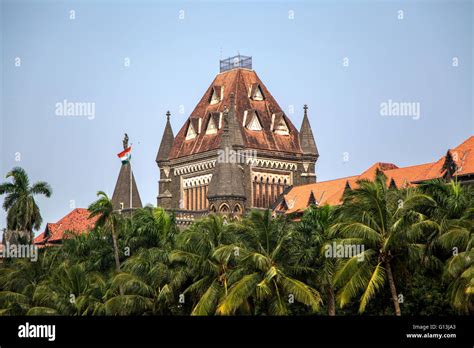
<point>125,155</point>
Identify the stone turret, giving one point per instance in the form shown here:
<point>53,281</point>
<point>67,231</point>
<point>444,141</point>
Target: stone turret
<point>309,149</point>
<point>126,195</point>
<point>226,193</point>
<point>162,159</point>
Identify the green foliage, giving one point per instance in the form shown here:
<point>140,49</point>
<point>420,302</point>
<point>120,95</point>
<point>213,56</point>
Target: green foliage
<point>418,249</point>
<point>22,211</point>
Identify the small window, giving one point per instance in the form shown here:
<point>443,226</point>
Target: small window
<point>191,133</point>
<point>255,92</point>
<point>253,123</point>
<point>237,209</point>
<point>216,94</point>
<point>224,209</point>
<point>212,123</point>
<point>279,125</point>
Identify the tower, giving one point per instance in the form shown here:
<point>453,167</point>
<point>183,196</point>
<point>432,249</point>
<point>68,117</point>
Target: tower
<point>309,149</point>
<point>126,196</point>
<point>226,193</point>
<point>237,112</point>
<point>165,196</point>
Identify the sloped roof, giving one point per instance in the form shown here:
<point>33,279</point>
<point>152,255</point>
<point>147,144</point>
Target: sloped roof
<point>122,189</point>
<point>237,81</point>
<point>331,191</point>
<point>166,141</point>
<point>308,145</point>
<point>77,221</point>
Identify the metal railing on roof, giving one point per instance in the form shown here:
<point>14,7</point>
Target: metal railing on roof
<point>236,62</point>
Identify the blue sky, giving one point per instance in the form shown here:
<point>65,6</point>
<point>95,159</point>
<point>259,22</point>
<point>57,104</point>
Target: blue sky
<point>298,51</point>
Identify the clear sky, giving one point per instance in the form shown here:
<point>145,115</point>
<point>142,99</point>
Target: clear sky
<point>298,50</point>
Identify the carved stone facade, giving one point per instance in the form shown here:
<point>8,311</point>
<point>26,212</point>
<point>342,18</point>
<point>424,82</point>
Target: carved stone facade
<point>237,150</point>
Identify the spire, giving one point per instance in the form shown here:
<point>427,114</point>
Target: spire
<point>308,145</point>
<point>227,178</point>
<point>166,141</point>
<point>121,196</point>
<point>126,194</point>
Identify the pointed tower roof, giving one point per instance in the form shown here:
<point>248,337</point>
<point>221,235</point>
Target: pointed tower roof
<point>126,185</point>
<point>308,145</point>
<point>166,141</point>
<point>122,190</point>
<point>241,82</point>
<point>227,178</point>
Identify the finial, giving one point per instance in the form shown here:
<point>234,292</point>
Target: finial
<point>125,141</point>
<point>168,114</point>
<point>305,108</point>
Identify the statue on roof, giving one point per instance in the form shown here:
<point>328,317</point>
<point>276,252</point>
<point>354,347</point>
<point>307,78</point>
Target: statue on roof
<point>125,142</point>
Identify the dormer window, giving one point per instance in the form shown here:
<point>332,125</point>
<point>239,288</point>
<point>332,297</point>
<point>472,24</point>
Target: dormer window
<point>255,92</point>
<point>217,93</point>
<point>279,125</point>
<point>194,128</point>
<point>212,124</point>
<point>251,120</point>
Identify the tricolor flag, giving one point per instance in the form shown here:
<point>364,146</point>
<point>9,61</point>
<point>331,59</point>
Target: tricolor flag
<point>125,155</point>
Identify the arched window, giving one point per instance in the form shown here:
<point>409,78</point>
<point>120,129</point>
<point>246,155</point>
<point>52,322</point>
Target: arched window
<point>237,209</point>
<point>224,209</point>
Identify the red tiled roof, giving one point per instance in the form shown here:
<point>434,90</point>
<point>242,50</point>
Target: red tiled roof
<point>331,192</point>
<point>238,81</point>
<point>77,221</point>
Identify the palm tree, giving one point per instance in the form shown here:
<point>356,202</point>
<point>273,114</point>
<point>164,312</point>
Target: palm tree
<point>144,285</point>
<point>314,234</point>
<point>152,227</point>
<point>70,290</point>
<point>452,202</point>
<point>204,255</point>
<point>454,216</point>
<point>108,219</point>
<point>388,225</point>
<point>264,279</point>
<point>19,279</point>
<point>23,213</point>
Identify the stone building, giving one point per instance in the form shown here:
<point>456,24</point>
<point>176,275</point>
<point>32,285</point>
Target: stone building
<point>237,150</point>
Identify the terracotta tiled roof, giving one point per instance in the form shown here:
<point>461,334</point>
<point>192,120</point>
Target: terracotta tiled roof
<point>77,221</point>
<point>238,81</point>
<point>331,192</point>
<point>325,192</point>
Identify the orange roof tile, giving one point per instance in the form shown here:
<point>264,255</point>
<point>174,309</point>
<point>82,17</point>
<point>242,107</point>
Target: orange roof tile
<point>77,221</point>
<point>331,192</point>
<point>237,81</point>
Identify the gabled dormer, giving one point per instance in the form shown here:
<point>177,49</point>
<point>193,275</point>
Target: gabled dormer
<point>279,125</point>
<point>213,123</point>
<point>255,92</point>
<point>252,121</point>
<point>194,128</point>
<point>217,94</point>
